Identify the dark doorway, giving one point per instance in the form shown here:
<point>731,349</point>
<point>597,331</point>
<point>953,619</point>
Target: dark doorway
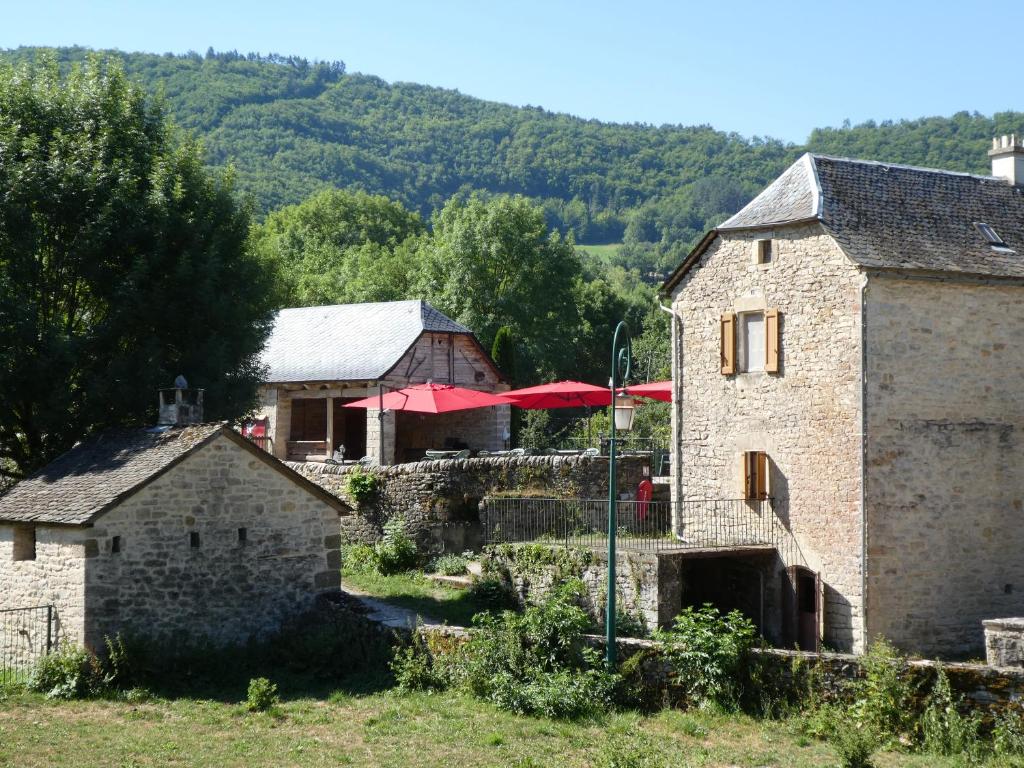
<point>728,584</point>
<point>349,428</point>
<point>801,608</point>
<point>309,419</point>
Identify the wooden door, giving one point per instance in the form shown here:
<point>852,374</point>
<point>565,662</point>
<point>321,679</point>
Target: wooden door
<point>801,608</point>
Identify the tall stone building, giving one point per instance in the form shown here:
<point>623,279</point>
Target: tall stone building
<point>186,527</point>
<point>849,345</point>
<point>320,358</point>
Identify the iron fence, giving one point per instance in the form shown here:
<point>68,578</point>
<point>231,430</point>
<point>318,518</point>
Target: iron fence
<point>645,526</point>
<point>26,635</point>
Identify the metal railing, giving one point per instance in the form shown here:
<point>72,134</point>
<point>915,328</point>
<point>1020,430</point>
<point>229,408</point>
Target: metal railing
<point>26,635</point>
<point>644,526</point>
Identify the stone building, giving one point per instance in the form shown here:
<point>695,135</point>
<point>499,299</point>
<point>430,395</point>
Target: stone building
<point>179,528</point>
<point>319,358</point>
<point>848,345</point>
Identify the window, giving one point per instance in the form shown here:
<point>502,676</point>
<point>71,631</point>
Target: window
<point>755,475</point>
<point>243,535</point>
<point>990,235</point>
<point>193,539</point>
<point>763,252</point>
<point>25,542</point>
<point>115,545</point>
<point>750,342</point>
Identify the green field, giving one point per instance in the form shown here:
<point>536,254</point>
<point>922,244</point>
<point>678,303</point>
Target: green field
<point>363,725</point>
<point>603,253</point>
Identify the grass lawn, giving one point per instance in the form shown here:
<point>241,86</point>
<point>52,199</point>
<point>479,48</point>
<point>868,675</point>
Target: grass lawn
<point>604,253</point>
<point>360,726</point>
<point>418,593</point>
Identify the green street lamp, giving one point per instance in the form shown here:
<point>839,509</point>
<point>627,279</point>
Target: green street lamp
<point>621,419</point>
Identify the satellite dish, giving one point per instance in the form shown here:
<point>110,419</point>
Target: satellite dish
<point>180,382</point>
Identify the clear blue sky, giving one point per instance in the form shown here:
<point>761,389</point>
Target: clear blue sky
<point>759,68</point>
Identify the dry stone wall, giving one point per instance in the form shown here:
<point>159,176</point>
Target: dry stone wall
<point>806,417</point>
<point>440,500</point>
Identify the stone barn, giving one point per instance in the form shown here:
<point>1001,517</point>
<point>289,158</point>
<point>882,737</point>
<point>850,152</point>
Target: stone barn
<point>847,348</point>
<point>179,528</point>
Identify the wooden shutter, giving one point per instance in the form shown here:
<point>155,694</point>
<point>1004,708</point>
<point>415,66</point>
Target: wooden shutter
<point>728,343</point>
<point>771,340</point>
<point>761,486</point>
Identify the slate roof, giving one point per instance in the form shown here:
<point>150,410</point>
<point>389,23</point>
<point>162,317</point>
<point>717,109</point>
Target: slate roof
<point>348,342</point>
<point>889,216</point>
<point>97,474</point>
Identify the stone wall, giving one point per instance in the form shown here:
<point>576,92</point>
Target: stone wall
<point>806,417</point>
<point>944,486</point>
<point>224,585</point>
<point>440,500</point>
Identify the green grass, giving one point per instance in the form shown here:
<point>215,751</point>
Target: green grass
<point>603,254</point>
<point>418,593</point>
<point>354,727</point>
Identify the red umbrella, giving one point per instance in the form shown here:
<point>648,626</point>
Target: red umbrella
<point>656,390</point>
<point>431,398</point>
<point>560,394</point>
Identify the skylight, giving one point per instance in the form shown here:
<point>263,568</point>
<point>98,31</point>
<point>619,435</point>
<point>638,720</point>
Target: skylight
<point>990,234</point>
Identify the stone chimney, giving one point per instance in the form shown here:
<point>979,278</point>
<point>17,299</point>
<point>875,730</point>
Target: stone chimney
<point>1007,155</point>
<point>180,405</point>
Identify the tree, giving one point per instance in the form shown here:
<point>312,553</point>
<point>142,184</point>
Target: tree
<point>493,263</point>
<point>503,353</point>
<point>341,247</point>
<point>123,262</point>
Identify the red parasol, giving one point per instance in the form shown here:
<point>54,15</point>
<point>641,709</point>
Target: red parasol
<point>656,390</point>
<point>431,398</point>
<point>560,394</point>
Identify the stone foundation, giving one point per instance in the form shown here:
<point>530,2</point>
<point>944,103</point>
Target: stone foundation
<point>1004,642</point>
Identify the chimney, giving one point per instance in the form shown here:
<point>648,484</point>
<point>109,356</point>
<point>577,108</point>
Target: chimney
<point>1007,155</point>
<point>180,405</point>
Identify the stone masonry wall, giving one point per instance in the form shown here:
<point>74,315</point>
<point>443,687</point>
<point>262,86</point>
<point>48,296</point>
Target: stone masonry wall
<point>440,499</point>
<point>55,577</point>
<point>224,588</point>
<point>806,417</point>
<point>944,487</point>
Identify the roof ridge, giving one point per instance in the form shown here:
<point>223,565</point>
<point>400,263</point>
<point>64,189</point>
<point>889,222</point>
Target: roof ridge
<point>902,166</point>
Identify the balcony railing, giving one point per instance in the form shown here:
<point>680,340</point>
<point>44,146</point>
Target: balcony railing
<point>652,526</point>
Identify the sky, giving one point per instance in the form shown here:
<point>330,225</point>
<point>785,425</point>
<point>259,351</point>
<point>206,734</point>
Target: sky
<point>766,68</point>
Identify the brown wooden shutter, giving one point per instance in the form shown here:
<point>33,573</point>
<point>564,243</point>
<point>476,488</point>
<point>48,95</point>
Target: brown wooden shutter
<point>771,338</point>
<point>728,343</point>
<point>748,475</point>
<point>762,475</point>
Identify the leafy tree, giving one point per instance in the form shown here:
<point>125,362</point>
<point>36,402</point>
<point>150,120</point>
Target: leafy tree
<point>123,262</point>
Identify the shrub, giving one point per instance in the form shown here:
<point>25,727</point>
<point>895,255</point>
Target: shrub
<point>262,695</point>
<point>69,672</point>
<point>1008,733</point>
<point>708,654</point>
<point>396,551</point>
<point>944,729</point>
<point>854,743</point>
<point>492,592</point>
<point>415,668</point>
<point>450,565</point>
<point>361,486</point>
<point>884,698</point>
<point>359,557</point>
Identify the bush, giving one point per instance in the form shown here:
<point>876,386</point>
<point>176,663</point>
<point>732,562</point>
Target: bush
<point>885,697</point>
<point>69,672</point>
<point>944,729</point>
<point>493,593</point>
<point>361,486</point>
<point>708,653</point>
<point>1008,733</point>
<point>359,557</point>
<point>450,565</point>
<point>854,743</point>
<point>415,668</point>
<point>396,551</point>
<point>262,695</point>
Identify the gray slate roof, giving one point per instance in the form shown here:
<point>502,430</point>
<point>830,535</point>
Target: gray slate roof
<point>96,474</point>
<point>348,342</point>
<point>890,216</point>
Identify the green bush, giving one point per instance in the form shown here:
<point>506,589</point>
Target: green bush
<point>361,486</point>
<point>359,558</point>
<point>708,653</point>
<point>854,743</point>
<point>945,730</point>
<point>493,593</point>
<point>262,695</point>
<point>416,668</point>
<point>70,672</point>
<point>1008,733</point>
<point>450,565</point>
<point>396,551</point>
<point>884,698</point>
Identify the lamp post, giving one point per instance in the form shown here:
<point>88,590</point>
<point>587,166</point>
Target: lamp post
<point>622,418</point>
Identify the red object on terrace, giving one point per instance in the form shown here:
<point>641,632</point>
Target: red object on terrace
<point>656,390</point>
<point>560,394</point>
<point>431,398</point>
<point>644,493</point>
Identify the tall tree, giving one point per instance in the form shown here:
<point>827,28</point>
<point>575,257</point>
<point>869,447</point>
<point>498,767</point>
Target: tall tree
<point>123,262</point>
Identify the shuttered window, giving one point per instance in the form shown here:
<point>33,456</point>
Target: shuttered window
<point>771,339</point>
<point>755,475</point>
<point>728,343</point>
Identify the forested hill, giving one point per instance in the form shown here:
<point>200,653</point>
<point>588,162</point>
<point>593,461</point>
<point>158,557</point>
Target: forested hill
<point>291,127</point>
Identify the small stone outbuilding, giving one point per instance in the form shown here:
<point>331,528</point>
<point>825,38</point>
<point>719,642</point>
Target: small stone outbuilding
<point>174,529</point>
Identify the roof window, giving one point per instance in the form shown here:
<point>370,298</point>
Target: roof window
<point>990,235</point>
